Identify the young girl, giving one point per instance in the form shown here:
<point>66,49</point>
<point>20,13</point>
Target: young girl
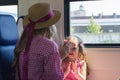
<point>74,65</point>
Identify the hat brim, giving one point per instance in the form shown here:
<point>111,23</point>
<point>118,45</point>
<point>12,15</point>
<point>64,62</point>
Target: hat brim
<point>45,24</point>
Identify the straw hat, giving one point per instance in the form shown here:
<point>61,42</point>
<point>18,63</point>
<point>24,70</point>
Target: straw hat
<point>42,15</point>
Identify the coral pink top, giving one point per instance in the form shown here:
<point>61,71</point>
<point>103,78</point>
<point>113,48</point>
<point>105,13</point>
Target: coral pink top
<point>44,60</point>
<point>71,75</point>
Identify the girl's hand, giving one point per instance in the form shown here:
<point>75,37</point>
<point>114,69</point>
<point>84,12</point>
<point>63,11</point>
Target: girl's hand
<point>67,70</point>
<point>77,71</point>
<point>75,68</point>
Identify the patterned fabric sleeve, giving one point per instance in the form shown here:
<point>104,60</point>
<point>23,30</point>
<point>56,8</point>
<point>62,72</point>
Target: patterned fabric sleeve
<point>52,69</point>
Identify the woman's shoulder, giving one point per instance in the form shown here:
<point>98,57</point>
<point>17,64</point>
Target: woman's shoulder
<point>42,40</point>
<point>42,44</point>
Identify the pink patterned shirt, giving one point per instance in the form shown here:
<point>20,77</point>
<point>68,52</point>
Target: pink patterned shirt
<point>71,75</point>
<point>44,60</point>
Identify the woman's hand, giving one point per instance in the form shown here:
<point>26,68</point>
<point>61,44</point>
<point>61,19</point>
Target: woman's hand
<point>64,50</point>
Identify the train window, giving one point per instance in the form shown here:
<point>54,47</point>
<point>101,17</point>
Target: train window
<point>94,21</point>
<point>9,9</point>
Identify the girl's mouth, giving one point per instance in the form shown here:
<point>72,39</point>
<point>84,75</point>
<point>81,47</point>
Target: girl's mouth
<point>71,54</point>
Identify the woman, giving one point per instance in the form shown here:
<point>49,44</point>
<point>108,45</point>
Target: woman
<point>36,54</point>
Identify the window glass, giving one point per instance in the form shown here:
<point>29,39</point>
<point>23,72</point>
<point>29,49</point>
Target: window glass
<point>96,22</point>
<point>9,9</point>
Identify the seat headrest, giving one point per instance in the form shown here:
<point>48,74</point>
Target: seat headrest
<point>8,30</point>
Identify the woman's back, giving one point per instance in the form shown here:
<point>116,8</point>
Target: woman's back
<point>43,56</point>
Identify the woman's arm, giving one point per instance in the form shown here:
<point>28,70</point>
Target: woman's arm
<point>64,50</point>
<point>52,70</point>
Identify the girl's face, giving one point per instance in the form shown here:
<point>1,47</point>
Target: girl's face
<point>73,51</point>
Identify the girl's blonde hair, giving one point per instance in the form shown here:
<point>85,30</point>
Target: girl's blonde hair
<point>23,40</point>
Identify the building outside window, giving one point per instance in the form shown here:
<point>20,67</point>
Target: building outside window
<point>95,21</point>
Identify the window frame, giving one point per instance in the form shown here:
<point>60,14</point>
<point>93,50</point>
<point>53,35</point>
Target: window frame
<point>8,2</point>
<point>67,28</point>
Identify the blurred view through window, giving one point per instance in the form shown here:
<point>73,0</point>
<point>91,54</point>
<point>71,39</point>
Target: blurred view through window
<point>96,22</point>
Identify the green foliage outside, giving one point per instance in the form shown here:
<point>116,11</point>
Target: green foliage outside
<point>94,27</point>
<point>71,29</point>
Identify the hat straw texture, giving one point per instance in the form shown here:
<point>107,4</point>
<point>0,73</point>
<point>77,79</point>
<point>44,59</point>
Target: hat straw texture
<point>41,11</point>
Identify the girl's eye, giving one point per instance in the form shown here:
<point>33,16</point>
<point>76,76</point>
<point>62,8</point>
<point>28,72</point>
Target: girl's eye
<point>74,49</point>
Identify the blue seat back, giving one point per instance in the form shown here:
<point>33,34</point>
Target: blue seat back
<point>8,39</point>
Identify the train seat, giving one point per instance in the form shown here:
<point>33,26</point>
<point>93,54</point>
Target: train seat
<point>8,39</point>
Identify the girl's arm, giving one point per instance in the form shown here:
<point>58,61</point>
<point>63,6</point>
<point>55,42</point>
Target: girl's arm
<point>67,70</point>
<point>81,73</point>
